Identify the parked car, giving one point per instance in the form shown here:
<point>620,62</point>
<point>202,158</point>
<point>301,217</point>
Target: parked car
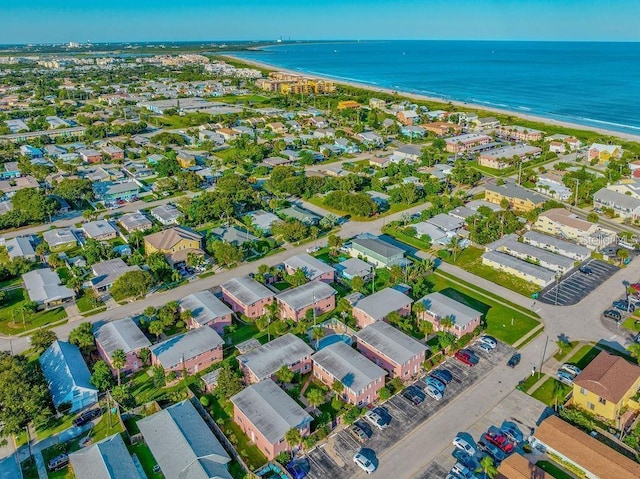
<point>585,270</point>
<point>489,340</point>
<point>413,394</point>
<point>493,450</point>
<point>624,305</point>
<point>634,299</point>
<point>571,369</point>
<point>298,469</point>
<point>463,444</point>
<point>513,433</point>
<point>495,436</point>
<point>472,355</point>
<point>565,378</point>
<point>462,471</point>
<point>433,393</point>
<point>375,419</point>
<point>385,417</point>
<point>313,249</point>
<point>464,358</point>
<point>365,464</point>
<point>443,375</point>
<point>468,460</point>
<point>358,433</point>
<point>514,360</point>
<point>612,314</point>
<point>86,417</point>
<point>431,381</point>
<point>58,462</point>
<point>485,347</point>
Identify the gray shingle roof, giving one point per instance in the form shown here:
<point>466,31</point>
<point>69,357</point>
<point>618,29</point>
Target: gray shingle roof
<point>188,345</point>
<point>537,253</point>
<point>270,410</point>
<point>389,341</point>
<point>94,229</point>
<point>446,222</point>
<point>380,304</point>
<point>311,266</point>
<point>378,246</point>
<point>205,307</point>
<point>354,266</point>
<point>121,334</point>
<point>246,290</point>
<point>108,271</point>
<point>348,366</point>
<point>610,197</point>
<point>59,236</point>
<point>442,306</point>
<point>511,190</point>
<point>44,286</point>
<point>135,220</point>
<point>107,459</point>
<point>268,358</point>
<point>302,296</point>
<point>19,246</point>
<point>508,261</point>
<point>183,444</point>
<point>553,242</point>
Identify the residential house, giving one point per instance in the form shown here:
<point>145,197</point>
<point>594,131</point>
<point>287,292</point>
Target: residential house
<point>407,153</point>
<point>431,233</point>
<point>462,143</point>
<point>108,459</point>
<point>555,245</point>
<point>371,139</point>
<point>520,199</point>
<point>625,206</point>
<point>107,272</point>
<point>233,235</point>
<point>176,243</point>
<point>567,225</point>
<point>210,380</point>
<point>565,443</point>
<point>247,296</point>
<point>462,213</point>
<point>376,251</point>
<point>604,153</point>
<point>132,222</point>
<point>376,103</point>
<point>113,152</point>
<point>185,160</point>
<point>446,223</point>
<point>191,352</point>
<point>206,310</point>
<point>90,155</point>
<point>607,386</point>
<point>413,131</point>
<point>307,217</point>
<point>117,192</point>
<point>379,305</point>
<point>9,170</point>
<point>265,413</point>
<point>354,267</point>
<point>517,466</point>
<point>519,268</point>
<point>60,239</point>
<point>345,104</point>
<point>45,288</point>
<point>276,127</point>
<point>397,353</point>
<point>19,247</point>
<point>262,220</point>
<point>520,133</point>
<point>228,134</point>
<point>408,117</point>
<point>380,162</point>
<point>100,230</point>
<point>183,444</point>
<point>438,307</point>
<point>166,214</point>
<point>503,157</point>
<point>551,184</point>
<point>442,128</point>
<point>264,362</point>
<point>314,296</point>
<point>541,257</point>
<point>68,377</point>
<point>124,335</point>
<point>313,268</point>
<point>362,379</point>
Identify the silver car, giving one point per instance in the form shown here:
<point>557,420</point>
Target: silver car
<point>375,419</point>
<point>488,340</point>
<point>365,464</point>
<point>571,369</point>
<point>433,393</point>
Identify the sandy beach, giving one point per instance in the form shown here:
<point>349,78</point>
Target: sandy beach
<point>414,96</point>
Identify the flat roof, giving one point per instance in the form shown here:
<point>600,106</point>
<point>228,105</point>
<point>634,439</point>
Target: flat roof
<point>391,342</point>
<point>171,352</point>
<point>265,360</point>
<point>313,268</point>
<point>443,306</point>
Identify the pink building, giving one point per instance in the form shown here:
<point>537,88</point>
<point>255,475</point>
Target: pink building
<point>315,295</point>
<point>247,296</point>
<point>461,143</point>
<point>265,413</point>
<point>362,379</point>
<point>521,133</point>
<point>379,305</point>
<point>264,362</point>
<point>438,306</point>
<point>313,268</point>
<point>125,335</point>
<point>206,310</point>
<point>400,355</point>
<point>192,351</point>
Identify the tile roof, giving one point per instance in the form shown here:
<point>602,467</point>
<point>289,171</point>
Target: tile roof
<point>608,376</point>
<point>519,467</point>
<point>265,360</point>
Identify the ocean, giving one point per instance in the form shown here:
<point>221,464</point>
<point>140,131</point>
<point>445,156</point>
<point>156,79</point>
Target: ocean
<point>594,84</point>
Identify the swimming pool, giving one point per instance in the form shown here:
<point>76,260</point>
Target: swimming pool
<point>332,339</point>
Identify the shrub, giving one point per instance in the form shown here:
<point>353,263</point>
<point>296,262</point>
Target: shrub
<point>204,400</point>
<point>283,458</point>
<point>309,441</point>
<point>384,393</point>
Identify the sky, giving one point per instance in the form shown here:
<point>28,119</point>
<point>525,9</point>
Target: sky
<point>54,21</point>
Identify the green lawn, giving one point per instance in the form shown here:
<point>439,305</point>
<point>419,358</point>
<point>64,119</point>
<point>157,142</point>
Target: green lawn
<point>11,321</point>
<point>527,383</point>
<point>553,470</point>
<point>400,235</point>
<point>632,323</point>
<point>142,452</point>
<point>84,304</point>
<point>281,286</point>
<point>104,428</point>
<point>566,349</point>
<point>471,260</point>
<point>584,356</point>
<point>29,469</point>
<point>505,323</point>
<point>545,392</point>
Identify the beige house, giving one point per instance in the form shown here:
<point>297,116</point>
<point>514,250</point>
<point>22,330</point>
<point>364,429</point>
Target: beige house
<point>565,224</point>
<point>176,243</point>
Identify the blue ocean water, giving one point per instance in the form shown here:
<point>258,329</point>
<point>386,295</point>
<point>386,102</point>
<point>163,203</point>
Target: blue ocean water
<point>596,84</point>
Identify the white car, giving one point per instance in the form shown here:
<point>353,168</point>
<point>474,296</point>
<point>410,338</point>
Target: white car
<point>375,419</point>
<point>488,340</point>
<point>313,249</point>
<point>365,464</point>
<point>463,444</point>
<point>571,369</point>
<point>486,347</point>
<point>433,393</point>
<point>461,470</point>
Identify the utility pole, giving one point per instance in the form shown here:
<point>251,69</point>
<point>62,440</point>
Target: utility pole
<point>314,311</point>
<point>544,352</point>
<point>575,203</point>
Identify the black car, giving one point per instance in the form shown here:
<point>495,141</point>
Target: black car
<point>585,270</point>
<point>86,417</point>
<point>612,314</point>
<point>442,375</point>
<point>514,360</point>
<point>414,394</point>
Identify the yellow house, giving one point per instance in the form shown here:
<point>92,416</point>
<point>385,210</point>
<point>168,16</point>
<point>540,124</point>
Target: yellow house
<point>607,385</point>
<point>604,152</point>
<point>176,243</point>
<point>519,198</point>
<point>185,160</point>
<point>343,105</point>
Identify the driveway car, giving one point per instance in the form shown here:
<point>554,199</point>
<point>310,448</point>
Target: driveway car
<point>463,444</point>
<point>365,464</point>
<point>514,360</point>
<point>358,433</point>
<point>58,462</point>
<point>413,394</point>
<point>462,471</point>
<point>86,417</point>
<point>488,340</point>
<point>442,375</point>
<point>565,378</point>
<point>612,314</point>
<point>493,450</point>
<point>376,419</point>
<point>435,383</point>
<point>571,369</point>
<point>464,358</point>
<point>495,437</point>
<point>462,457</point>
<point>624,305</point>
<point>433,393</point>
<point>513,433</point>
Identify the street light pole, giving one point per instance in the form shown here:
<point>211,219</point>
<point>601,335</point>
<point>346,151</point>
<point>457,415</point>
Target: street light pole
<point>544,352</point>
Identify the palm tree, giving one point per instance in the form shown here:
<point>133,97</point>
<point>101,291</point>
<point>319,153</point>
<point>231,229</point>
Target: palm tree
<point>186,315</point>
<point>317,334</point>
<point>488,467</point>
<point>157,328</point>
<point>455,246</point>
<point>118,360</point>
<point>293,437</point>
<point>337,387</point>
<point>447,322</point>
<point>315,398</point>
<point>418,309</point>
<point>558,393</point>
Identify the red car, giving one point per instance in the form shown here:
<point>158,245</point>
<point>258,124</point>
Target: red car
<point>636,286</point>
<point>464,358</point>
<point>499,440</point>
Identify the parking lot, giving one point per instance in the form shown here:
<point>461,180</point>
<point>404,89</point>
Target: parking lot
<point>575,286</point>
<point>334,459</point>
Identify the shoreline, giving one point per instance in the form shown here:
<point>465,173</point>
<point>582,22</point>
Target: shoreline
<point>416,96</point>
